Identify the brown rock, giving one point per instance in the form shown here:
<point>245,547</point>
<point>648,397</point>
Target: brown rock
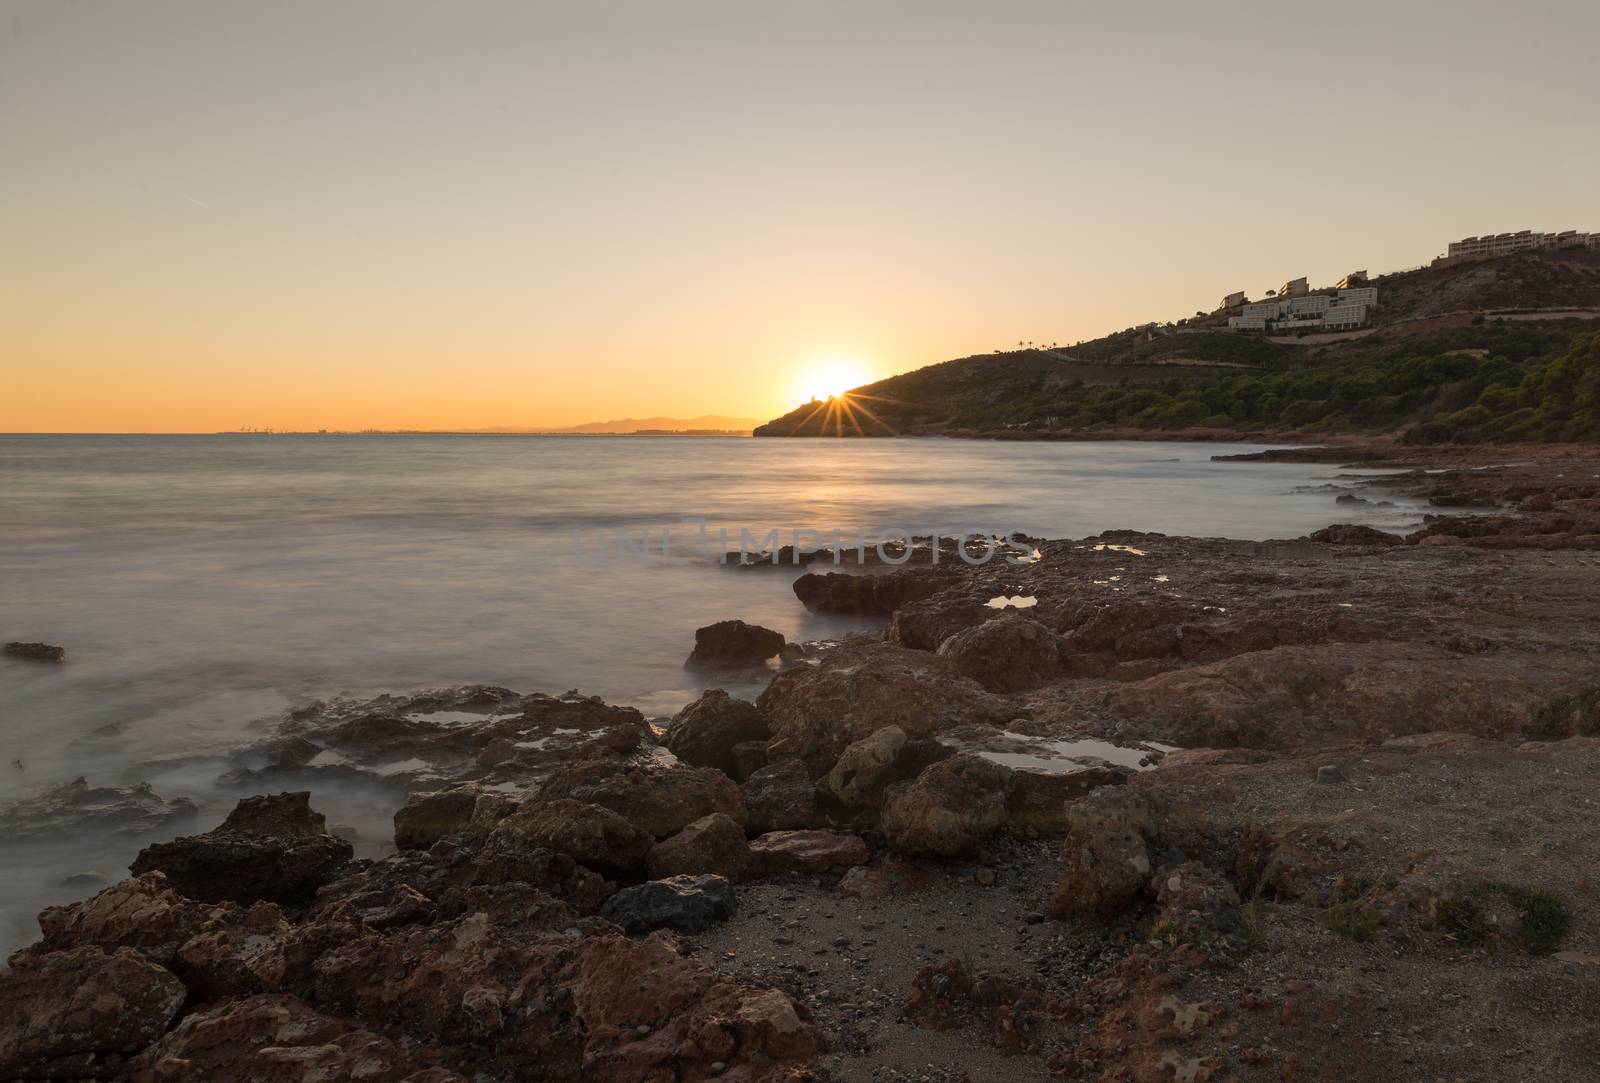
<point>781,797</point>
<point>1105,858</point>
<point>734,643</point>
<point>706,732</point>
<point>817,711</point>
<point>712,844</point>
<point>143,913</point>
<point>64,1014</point>
<point>1006,654</point>
<point>808,851</point>
<point>880,881</point>
<point>949,808</point>
<point>589,834</point>
<point>865,768</point>
<point>661,799</point>
<point>37,652</point>
<point>279,1039</point>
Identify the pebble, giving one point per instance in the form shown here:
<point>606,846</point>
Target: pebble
<point>1330,774</point>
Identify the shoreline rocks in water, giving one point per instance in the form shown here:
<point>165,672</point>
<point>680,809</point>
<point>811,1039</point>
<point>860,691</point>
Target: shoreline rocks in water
<point>967,849</point>
<point>36,652</point>
<point>734,643</point>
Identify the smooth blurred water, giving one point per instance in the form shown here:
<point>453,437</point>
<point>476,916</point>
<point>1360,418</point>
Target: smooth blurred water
<point>203,582</point>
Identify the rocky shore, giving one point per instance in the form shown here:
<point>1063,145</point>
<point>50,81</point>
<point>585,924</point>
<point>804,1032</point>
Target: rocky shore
<point>1142,809</point>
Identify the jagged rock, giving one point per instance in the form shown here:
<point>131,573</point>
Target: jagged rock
<point>1039,800</point>
<point>143,913</point>
<point>426,818</point>
<point>688,904</point>
<point>925,624</point>
<point>781,797</point>
<point>37,652</point>
<point>816,711</point>
<point>73,1014</point>
<point>589,834</point>
<point>949,808</point>
<point>1195,903</point>
<point>1352,534</point>
<point>707,731</point>
<point>1105,857</point>
<point>712,844</point>
<point>748,758</point>
<point>865,768</point>
<point>271,847</point>
<point>1007,654</point>
<point>838,592</point>
<point>808,851</point>
<point>76,808</point>
<point>280,1039</point>
<point>661,799</point>
<point>734,643</point>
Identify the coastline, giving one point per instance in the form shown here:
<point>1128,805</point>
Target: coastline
<point>928,863</point>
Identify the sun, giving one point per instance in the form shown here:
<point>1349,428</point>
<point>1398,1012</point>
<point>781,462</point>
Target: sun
<point>827,377</point>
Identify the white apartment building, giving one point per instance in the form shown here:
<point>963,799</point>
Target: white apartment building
<point>1344,311</point>
<point>1524,240</point>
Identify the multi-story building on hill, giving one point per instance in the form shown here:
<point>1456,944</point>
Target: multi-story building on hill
<point>1344,310</point>
<point>1526,240</point>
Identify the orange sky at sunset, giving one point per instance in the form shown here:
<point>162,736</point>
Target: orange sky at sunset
<point>402,214</point>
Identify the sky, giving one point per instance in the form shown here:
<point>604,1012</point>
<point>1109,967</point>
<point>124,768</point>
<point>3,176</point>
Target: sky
<point>305,214</point>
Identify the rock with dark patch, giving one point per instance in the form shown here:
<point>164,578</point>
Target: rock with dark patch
<point>734,643</point>
<point>707,731</point>
<point>1007,654</point>
<point>37,652</point>
<point>272,847</point>
<point>75,1014</point>
<point>426,818</point>
<point>949,808</point>
<point>686,904</point>
<point>781,797</point>
<point>77,808</point>
<point>712,844</point>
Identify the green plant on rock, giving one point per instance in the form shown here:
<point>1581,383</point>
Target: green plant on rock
<point>1545,918</point>
<point>1349,911</point>
<point>1460,919</point>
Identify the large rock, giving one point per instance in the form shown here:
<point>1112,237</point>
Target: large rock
<point>781,797</point>
<point>1040,800</point>
<point>280,1039</point>
<point>271,847</point>
<point>734,643</point>
<point>707,731</point>
<point>687,904</point>
<point>143,913</point>
<point>712,844</point>
<point>1007,654</point>
<point>426,818</point>
<point>77,808</point>
<point>1105,857</point>
<point>949,808</point>
<point>73,1014</point>
<point>661,799</point>
<point>817,711</point>
<point>923,625</point>
<point>808,851</point>
<point>878,595</point>
<point>37,652</point>
<point>865,768</point>
<point>591,835</point>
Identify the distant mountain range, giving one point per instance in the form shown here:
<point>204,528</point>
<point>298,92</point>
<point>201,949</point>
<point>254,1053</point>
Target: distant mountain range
<point>705,423</point>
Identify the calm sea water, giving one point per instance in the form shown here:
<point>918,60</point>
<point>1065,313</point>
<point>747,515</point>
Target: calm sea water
<point>201,583</point>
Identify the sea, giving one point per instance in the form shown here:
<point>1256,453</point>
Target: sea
<point>205,585</point>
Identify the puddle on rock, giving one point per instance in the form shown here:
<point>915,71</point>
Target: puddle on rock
<point>1053,756</point>
<point>1015,601</point>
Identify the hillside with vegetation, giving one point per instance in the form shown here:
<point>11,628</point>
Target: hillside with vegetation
<point>1456,356</point>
